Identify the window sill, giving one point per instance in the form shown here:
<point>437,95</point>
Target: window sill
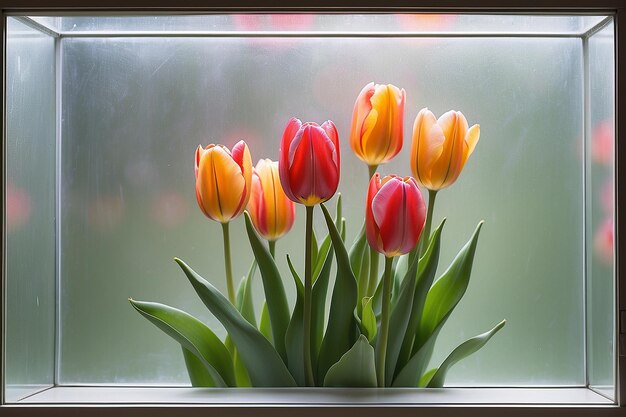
<point>310,402</point>
<point>316,396</point>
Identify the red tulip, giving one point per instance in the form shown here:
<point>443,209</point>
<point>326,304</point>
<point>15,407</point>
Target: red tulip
<point>394,215</point>
<point>309,161</point>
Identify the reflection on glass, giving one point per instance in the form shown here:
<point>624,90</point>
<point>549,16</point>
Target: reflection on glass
<point>601,213</point>
<point>30,199</point>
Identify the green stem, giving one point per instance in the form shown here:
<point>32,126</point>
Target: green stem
<point>372,170</point>
<point>373,272</point>
<point>384,324</point>
<point>228,263</point>
<point>432,194</point>
<point>272,246</point>
<point>308,367</point>
<point>422,245</point>
<point>373,279</point>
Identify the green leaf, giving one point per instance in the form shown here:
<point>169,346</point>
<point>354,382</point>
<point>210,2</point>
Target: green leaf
<point>314,248</point>
<point>426,270</point>
<point>368,322</point>
<point>318,307</point>
<point>399,272</point>
<point>277,305</point>
<point>360,264</point>
<point>342,329</point>
<point>443,296</point>
<point>409,374</point>
<point>343,230</point>
<point>339,213</point>
<point>294,338</point>
<point>264,324</point>
<point>241,373</point>
<point>264,364</point>
<point>356,368</point>
<point>400,316</point>
<point>321,258</point>
<point>425,379</point>
<point>244,302</point>
<point>198,373</point>
<point>462,351</point>
<point>193,335</point>
<point>448,290</point>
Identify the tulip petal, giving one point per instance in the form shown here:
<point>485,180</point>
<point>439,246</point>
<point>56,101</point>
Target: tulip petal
<point>389,209</point>
<point>471,139</point>
<point>313,173</point>
<point>198,156</point>
<point>372,230</point>
<point>241,155</point>
<point>427,144</point>
<point>220,184</point>
<point>331,131</point>
<point>416,216</point>
<point>448,167</point>
<point>284,163</point>
<point>362,107</point>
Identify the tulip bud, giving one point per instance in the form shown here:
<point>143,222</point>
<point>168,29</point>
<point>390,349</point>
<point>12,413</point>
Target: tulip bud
<point>377,123</point>
<point>441,148</point>
<point>394,214</point>
<point>272,213</point>
<point>309,161</point>
<point>223,180</point>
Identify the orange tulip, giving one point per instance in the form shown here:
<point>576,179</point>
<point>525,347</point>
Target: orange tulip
<point>272,213</point>
<point>377,123</point>
<point>223,180</point>
<point>441,148</point>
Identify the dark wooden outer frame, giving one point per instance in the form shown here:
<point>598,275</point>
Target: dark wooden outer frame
<point>613,7</point>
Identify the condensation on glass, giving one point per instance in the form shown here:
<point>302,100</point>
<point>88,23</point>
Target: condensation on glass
<point>104,114</point>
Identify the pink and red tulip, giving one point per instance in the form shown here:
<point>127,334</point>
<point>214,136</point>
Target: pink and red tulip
<point>395,214</point>
<point>272,213</point>
<point>309,161</point>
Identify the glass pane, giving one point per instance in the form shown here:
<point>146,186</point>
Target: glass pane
<point>135,109</point>
<point>403,23</point>
<point>30,208</point>
<point>601,218</point>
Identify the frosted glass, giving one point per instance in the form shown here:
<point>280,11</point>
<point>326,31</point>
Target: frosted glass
<point>30,203</point>
<point>135,109</point>
<point>601,209</point>
<point>414,23</point>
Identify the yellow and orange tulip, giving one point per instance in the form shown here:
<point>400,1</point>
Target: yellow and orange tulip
<point>441,148</point>
<point>377,123</point>
<point>271,211</point>
<point>223,180</point>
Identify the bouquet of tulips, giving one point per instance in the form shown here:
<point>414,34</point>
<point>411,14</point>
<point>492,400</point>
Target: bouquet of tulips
<point>380,330</point>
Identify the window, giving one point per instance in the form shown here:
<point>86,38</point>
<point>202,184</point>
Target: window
<point>104,112</point>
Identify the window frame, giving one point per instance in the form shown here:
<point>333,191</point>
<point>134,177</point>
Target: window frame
<point>234,407</point>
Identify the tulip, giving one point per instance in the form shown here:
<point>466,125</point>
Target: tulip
<point>394,219</point>
<point>394,214</point>
<point>441,148</point>
<point>377,124</point>
<point>309,173</point>
<point>439,152</point>
<point>223,180</point>
<point>309,161</point>
<point>223,186</point>
<point>272,213</point>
